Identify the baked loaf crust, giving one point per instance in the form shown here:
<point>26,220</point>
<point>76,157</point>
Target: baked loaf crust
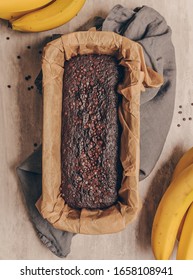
<point>91,169</point>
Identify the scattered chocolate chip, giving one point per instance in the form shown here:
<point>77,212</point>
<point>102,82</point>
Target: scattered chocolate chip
<point>9,86</point>
<point>190,119</point>
<point>178,125</point>
<point>180,112</point>
<point>32,87</point>
<point>180,106</point>
<point>192,104</point>
<point>7,38</point>
<point>27,77</point>
<point>29,88</point>
<point>184,119</point>
<point>35,144</point>
<point>18,57</point>
<point>29,47</point>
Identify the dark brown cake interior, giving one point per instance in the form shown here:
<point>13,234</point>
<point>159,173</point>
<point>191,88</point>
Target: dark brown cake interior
<point>91,168</point>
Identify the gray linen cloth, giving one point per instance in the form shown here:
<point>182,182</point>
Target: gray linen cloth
<point>30,175</point>
<point>147,27</point>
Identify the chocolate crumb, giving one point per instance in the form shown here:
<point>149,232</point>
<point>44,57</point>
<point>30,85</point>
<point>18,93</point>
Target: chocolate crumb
<point>27,77</point>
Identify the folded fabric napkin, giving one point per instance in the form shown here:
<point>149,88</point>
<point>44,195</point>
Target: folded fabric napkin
<point>30,175</point>
<point>147,27</point>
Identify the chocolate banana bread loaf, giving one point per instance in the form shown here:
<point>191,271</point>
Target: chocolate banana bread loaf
<point>91,169</point>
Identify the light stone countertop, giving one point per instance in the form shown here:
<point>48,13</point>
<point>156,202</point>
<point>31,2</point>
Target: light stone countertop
<point>21,127</point>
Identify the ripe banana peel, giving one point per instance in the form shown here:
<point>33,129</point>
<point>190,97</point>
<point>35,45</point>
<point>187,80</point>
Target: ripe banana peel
<point>13,6</point>
<point>185,232</point>
<point>171,209</point>
<point>185,246</point>
<point>184,162</point>
<point>186,243</point>
<point>52,16</point>
<point>11,14</point>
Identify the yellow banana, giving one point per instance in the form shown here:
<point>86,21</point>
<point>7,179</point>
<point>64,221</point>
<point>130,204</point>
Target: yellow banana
<point>185,246</point>
<point>171,209</point>
<point>11,14</point>
<point>52,16</point>
<point>184,162</point>
<point>185,236</point>
<point>14,6</point>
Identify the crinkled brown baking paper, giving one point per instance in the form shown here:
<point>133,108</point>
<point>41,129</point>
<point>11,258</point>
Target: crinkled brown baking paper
<point>137,76</point>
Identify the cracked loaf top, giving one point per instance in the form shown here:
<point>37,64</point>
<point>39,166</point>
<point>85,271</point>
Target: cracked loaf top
<point>90,140</point>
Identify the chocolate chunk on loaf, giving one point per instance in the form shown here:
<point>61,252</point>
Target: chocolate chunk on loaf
<point>91,169</point>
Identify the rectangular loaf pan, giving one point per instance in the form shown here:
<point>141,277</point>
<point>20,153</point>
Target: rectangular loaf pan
<point>137,76</point>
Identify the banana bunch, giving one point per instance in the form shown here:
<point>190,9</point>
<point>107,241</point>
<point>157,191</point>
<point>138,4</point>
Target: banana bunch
<point>39,15</point>
<point>174,215</point>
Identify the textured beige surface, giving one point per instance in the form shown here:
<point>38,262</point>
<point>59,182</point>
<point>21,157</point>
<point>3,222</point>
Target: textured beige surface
<point>21,126</point>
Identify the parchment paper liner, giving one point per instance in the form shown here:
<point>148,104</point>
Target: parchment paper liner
<point>137,76</point>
